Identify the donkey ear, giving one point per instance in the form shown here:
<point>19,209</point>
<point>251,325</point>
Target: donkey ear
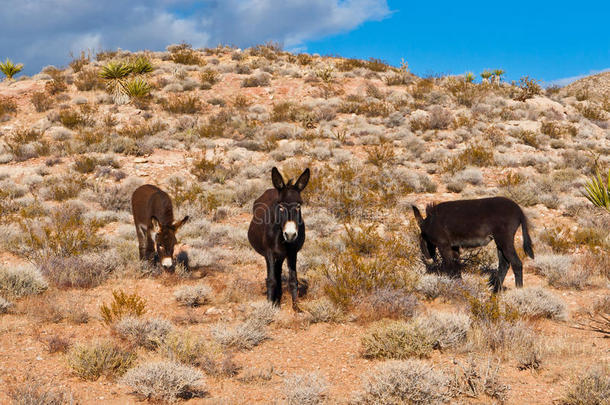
<point>302,180</point>
<point>277,179</point>
<point>178,224</point>
<point>418,216</point>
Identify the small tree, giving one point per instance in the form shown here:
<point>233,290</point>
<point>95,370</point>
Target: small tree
<point>10,69</point>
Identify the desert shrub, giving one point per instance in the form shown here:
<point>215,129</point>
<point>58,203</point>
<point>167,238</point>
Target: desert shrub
<point>138,131</point>
<point>404,382</point>
<point>89,79</point>
<point>256,80</point>
<point>148,333</point>
<point>20,281</point>
<point>490,309</point>
<point>137,88</point>
<point>80,271</point>
<point>323,310</point>
<point>57,344</point>
<point>66,232</point>
<point>5,306</point>
<point>445,329</point>
<point>209,76</point>
<point>57,84</point>
<point>165,381</point>
<point>472,381</point>
<point>32,391</point>
<point>536,302</point>
<point>7,105</point>
<point>71,119</point>
<point>64,187</point>
<point>305,389</point>
<point>141,65</point>
<point>592,388</point>
<point>90,361</point>
<point>25,143</point>
<point>528,88</point>
<point>395,340</point>
<point>193,296</point>
<point>560,272</point>
<point>189,349</point>
<point>187,104</point>
<point>186,56</point>
<point>440,118</point>
<point>304,59</point>
<point>591,111</point>
<point>248,334</point>
<point>475,154</point>
<point>79,62</point>
<point>122,304</point>
<point>557,130</point>
<point>387,302</point>
<point>40,100</point>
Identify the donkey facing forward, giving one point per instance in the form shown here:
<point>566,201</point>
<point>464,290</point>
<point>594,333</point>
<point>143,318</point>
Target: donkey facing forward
<point>454,225</point>
<point>277,232</point>
<point>154,219</point>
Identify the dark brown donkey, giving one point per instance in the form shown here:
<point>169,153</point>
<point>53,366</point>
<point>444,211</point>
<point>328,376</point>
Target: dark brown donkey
<point>154,219</point>
<point>454,225</point>
<point>277,232</point>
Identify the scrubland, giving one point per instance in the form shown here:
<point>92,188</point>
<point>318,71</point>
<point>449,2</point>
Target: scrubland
<point>83,321</point>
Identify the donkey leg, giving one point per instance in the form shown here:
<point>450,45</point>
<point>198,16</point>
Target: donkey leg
<point>450,265</point>
<point>508,248</point>
<point>277,271</point>
<point>141,243</point>
<point>293,281</point>
<point>501,273</point>
<point>271,280</point>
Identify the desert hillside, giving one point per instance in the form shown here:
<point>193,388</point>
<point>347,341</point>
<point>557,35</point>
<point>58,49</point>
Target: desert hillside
<point>82,320</point>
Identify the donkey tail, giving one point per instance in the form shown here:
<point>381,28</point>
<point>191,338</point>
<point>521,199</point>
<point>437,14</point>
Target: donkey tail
<point>527,241</point>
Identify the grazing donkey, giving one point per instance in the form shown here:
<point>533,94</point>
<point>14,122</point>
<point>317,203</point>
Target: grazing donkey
<point>453,225</point>
<point>154,219</point>
<point>277,232</point>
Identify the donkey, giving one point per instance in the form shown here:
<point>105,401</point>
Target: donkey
<point>277,232</point>
<point>454,225</point>
<point>154,219</point>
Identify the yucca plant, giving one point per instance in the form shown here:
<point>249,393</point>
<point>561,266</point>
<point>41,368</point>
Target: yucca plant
<point>116,73</point>
<point>141,65</point>
<point>597,191</point>
<point>137,88</point>
<point>486,75</point>
<point>469,77</point>
<point>9,68</point>
<point>498,75</point>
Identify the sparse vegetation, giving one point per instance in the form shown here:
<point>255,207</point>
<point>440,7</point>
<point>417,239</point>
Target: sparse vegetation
<point>396,340</point>
<point>122,304</point>
<point>91,361</point>
<point>9,69</point>
<point>305,389</point>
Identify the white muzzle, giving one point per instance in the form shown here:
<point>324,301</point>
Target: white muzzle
<point>167,262</point>
<point>290,231</point>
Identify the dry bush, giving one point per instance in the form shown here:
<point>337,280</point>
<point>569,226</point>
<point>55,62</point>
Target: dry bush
<point>250,333</point>
<point>25,143</point>
<point>592,388</point>
<point>472,381</point>
<point>527,88</point>
<point>66,232</point>
<point>209,77</point>
<point>324,310</point>
<point>57,84</point>
<point>5,306</point>
<point>187,104</point>
<point>387,303</point>
<point>145,129</point>
<point>57,344</point>
<point>88,80</point>
<point>261,79</point>
<point>32,391</point>
<point>62,188</point>
<point>193,296</point>
<point>440,118</point>
<point>396,340</point>
<point>71,119</point>
<point>475,154</point>
<point>185,55</point>
<point>90,361</point>
<point>190,349</point>
<point>380,155</point>
<point>149,333</point>
<point>560,271</point>
<point>82,271</point>
<point>536,302</point>
<point>7,105</point>
<point>19,281</point>
<point>592,111</point>
<point>445,329</point>
<point>165,381</point>
<point>122,304</point>
<point>41,101</point>
<point>404,382</point>
<point>305,389</point>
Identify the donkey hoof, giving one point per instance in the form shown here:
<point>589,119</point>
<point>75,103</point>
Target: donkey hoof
<point>296,308</point>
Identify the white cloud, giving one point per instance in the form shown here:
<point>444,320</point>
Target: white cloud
<point>567,80</point>
<point>41,32</point>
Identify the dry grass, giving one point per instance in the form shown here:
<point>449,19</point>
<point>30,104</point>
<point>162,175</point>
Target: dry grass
<point>445,329</point>
<point>33,391</point>
<point>19,281</point>
<point>149,333</point>
<point>591,388</point>
<point>122,304</point>
<point>193,296</point>
<point>396,340</point>
<point>324,310</point>
<point>305,389</point>
<point>90,361</point>
<point>536,302</point>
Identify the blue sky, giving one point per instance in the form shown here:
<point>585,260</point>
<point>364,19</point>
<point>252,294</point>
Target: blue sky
<point>543,39</point>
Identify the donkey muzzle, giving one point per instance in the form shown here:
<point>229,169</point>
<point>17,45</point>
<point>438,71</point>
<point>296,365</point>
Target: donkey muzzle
<point>290,231</point>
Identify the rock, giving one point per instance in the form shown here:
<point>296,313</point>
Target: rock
<point>213,311</point>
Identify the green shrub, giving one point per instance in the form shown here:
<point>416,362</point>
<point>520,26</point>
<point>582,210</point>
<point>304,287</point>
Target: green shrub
<point>141,65</point>
<point>90,361</point>
<point>137,88</point>
<point>597,191</point>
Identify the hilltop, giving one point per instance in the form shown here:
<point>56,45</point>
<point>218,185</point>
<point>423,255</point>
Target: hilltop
<point>208,126</point>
